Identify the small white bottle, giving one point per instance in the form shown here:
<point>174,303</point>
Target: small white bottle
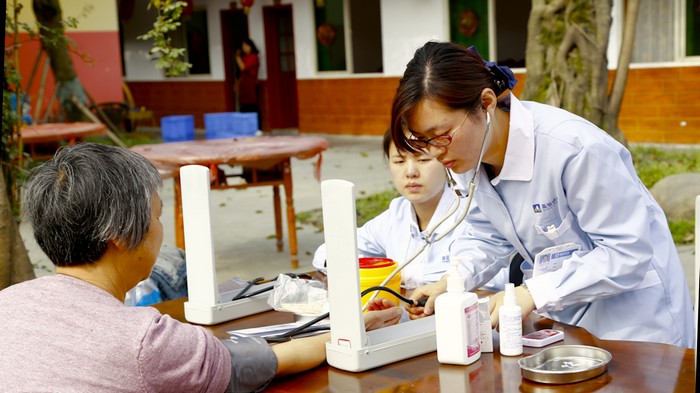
<point>510,324</point>
<point>457,322</point>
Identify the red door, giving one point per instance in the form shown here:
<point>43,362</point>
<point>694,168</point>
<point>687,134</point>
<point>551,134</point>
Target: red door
<point>281,89</point>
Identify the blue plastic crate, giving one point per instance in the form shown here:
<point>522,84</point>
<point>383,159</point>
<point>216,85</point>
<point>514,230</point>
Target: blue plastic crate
<point>177,128</point>
<point>229,125</point>
<point>250,119</point>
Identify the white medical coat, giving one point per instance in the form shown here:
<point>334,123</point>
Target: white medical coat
<point>565,180</point>
<point>395,234</point>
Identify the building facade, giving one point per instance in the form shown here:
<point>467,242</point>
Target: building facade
<point>332,66</point>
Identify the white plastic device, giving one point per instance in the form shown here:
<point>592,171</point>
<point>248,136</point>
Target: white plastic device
<point>205,305</point>
<point>352,348</point>
<point>542,337</point>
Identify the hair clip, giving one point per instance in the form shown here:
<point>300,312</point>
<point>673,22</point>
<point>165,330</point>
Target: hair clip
<point>502,75</point>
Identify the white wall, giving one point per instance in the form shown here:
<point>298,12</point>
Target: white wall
<point>304,38</point>
<point>406,26</point>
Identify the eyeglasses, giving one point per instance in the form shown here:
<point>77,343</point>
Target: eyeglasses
<point>439,141</point>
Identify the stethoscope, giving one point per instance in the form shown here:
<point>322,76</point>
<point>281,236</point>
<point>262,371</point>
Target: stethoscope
<point>429,239</point>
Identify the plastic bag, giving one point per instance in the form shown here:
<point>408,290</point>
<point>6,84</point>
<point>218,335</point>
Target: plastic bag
<point>144,293</point>
<point>304,297</point>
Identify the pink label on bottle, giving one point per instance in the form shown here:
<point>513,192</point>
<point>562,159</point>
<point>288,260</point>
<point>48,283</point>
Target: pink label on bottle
<point>471,315</point>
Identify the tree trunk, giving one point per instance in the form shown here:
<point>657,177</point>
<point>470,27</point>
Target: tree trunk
<point>15,265</point>
<point>566,58</point>
<point>612,112</point>
<point>48,13</point>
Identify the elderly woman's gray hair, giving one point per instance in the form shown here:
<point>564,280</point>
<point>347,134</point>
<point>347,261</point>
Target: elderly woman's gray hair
<point>87,195</point>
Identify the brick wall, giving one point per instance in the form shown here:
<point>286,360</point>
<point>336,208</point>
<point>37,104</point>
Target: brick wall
<point>180,98</point>
<point>656,103</point>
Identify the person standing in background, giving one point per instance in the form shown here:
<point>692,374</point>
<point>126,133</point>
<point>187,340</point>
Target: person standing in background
<point>248,64</point>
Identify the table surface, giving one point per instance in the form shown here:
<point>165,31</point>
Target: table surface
<point>48,132</point>
<point>635,367</point>
<point>260,151</point>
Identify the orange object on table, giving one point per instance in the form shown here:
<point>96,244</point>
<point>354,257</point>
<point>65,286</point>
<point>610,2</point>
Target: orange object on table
<point>266,162</point>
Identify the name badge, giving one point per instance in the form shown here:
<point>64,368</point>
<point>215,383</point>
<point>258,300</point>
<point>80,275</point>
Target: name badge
<point>551,258</point>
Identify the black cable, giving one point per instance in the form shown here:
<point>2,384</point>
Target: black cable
<point>259,291</point>
<point>240,295</point>
<point>243,291</point>
<point>398,295</point>
<point>307,327</point>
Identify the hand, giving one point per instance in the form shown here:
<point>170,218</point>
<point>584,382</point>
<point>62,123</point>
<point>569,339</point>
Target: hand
<point>382,313</point>
<point>522,297</point>
<point>431,291</point>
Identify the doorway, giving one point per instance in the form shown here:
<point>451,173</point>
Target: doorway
<point>234,29</point>
<point>283,111</point>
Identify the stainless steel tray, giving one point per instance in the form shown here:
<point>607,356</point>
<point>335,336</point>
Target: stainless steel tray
<point>565,364</point>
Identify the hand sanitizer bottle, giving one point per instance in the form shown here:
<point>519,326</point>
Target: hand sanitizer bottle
<point>510,324</point>
<point>457,322</point>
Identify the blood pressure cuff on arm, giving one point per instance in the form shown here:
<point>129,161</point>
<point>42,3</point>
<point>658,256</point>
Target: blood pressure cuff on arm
<point>253,364</point>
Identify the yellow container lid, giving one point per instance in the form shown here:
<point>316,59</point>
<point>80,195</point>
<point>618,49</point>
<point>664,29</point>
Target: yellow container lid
<point>373,271</point>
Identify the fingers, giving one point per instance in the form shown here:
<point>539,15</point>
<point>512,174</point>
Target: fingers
<point>429,307</point>
<point>393,316</point>
<point>380,304</point>
<point>417,316</point>
<point>382,318</point>
<point>495,302</point>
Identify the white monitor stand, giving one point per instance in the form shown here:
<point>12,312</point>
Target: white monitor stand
<point>351,347</point>
<point>205,305</point>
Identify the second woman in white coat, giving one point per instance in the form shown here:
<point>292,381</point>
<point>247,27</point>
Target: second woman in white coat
<point>398,233</point>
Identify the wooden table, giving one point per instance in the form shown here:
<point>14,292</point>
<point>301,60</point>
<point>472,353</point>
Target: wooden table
<point>635,367</point>
<point>56,132</point>
<point>266,161</point>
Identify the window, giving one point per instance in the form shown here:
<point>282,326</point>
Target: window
<point>348,35</point>
<point>469,25</point>
<point>286,44</point>
<point>197,42</point>
<point>692,28</point>
<point>193,36</point>
<point>653,38</point>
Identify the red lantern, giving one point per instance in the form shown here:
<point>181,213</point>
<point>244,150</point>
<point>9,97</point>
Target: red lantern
<point>246,5</point>
<point>325,34</point>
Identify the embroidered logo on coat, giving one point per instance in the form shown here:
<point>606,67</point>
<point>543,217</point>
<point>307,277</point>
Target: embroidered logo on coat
<point>541,207</point>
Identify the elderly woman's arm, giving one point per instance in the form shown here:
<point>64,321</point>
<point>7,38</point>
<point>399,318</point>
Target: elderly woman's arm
<point>305,353</point>
<point>300,354</point>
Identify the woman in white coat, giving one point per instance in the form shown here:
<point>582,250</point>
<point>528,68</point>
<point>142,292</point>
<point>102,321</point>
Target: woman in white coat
<point>550,183</point>
<point>398,233</point>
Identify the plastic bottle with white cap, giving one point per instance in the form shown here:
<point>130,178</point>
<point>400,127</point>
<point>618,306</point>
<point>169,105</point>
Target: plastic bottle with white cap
<point>457,321</point>
<point>510,324</point>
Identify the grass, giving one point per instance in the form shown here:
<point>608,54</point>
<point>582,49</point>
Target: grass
<point>652,164</point>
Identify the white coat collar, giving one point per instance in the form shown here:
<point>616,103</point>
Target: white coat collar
<point>520,151</point>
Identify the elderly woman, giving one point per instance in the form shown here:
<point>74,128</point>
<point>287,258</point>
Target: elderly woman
<point>95,211</point>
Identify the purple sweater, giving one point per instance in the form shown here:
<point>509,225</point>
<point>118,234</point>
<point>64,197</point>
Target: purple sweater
<point>61,334</point>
